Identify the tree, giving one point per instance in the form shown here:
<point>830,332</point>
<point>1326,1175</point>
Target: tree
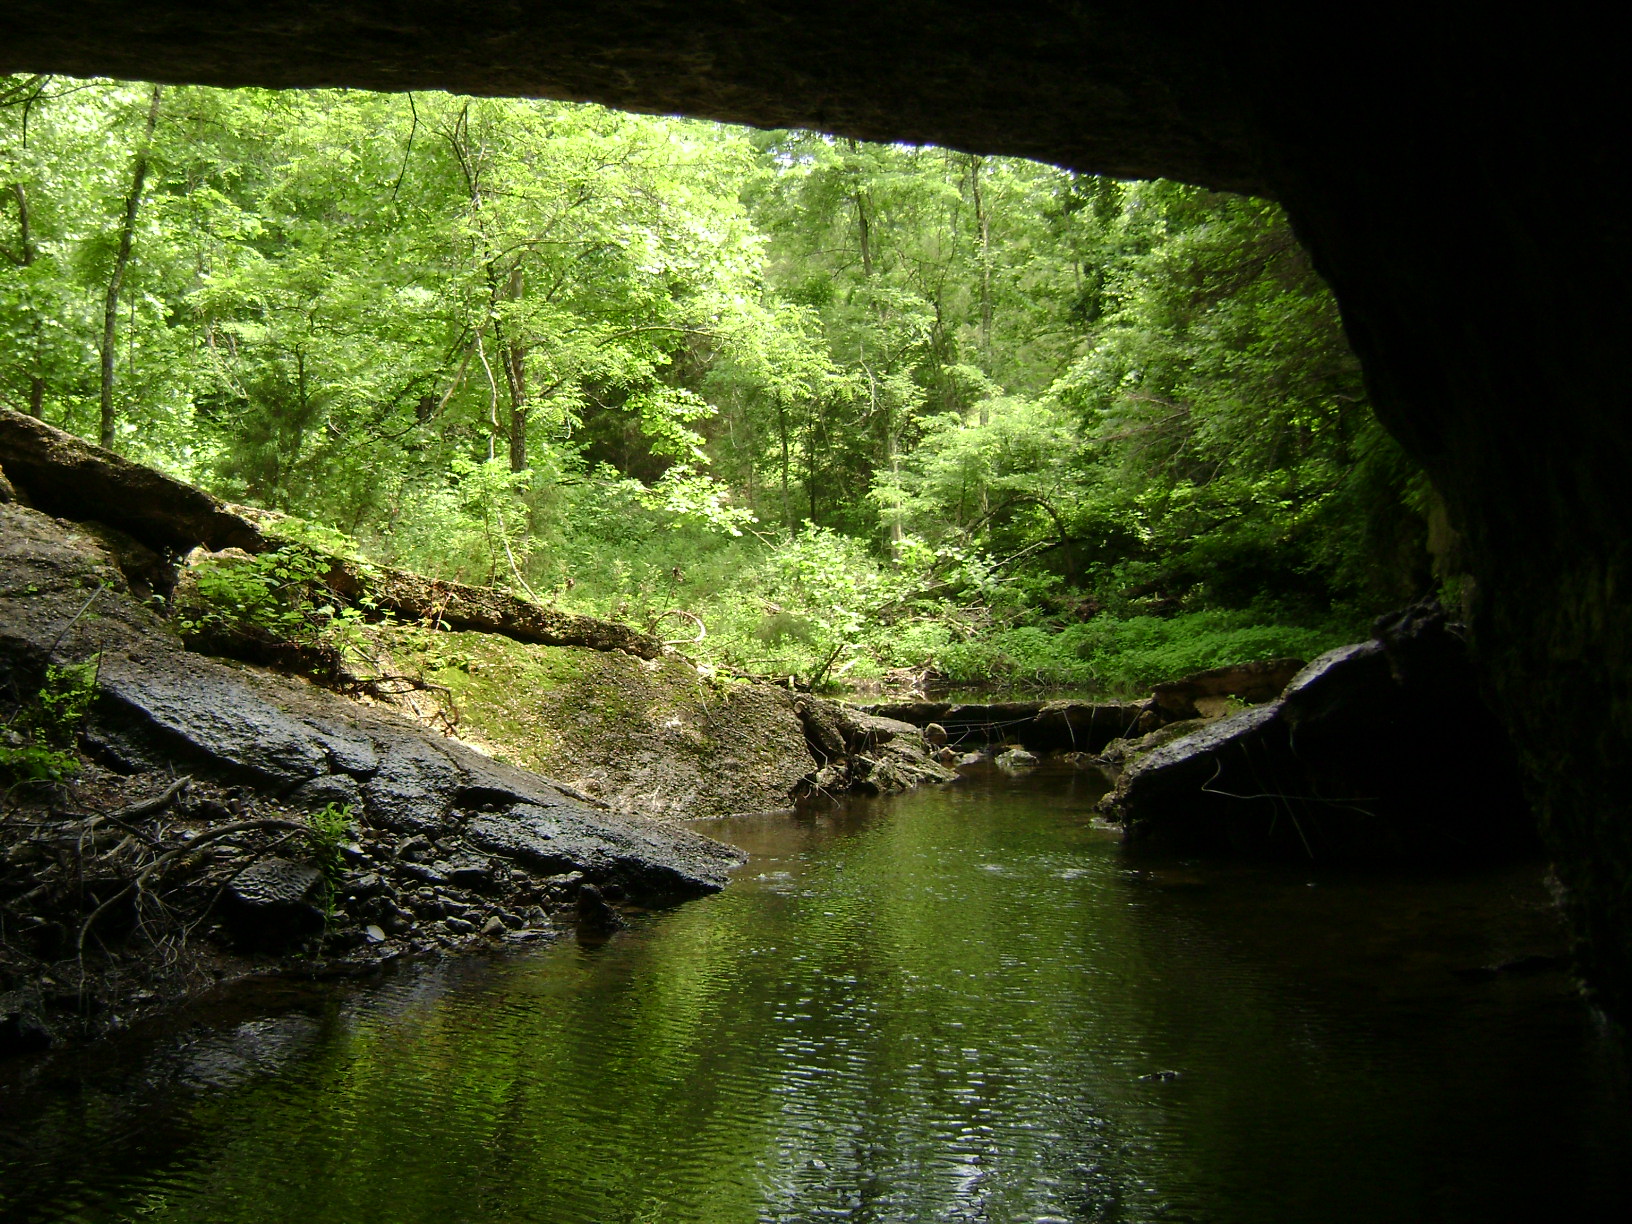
<point>121,260</point>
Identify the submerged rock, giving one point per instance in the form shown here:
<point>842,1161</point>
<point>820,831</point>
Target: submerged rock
<point>595,915</point>
<point>1014,760</point>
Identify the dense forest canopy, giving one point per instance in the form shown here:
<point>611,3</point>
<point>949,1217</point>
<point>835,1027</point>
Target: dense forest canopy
<point>848,406</point>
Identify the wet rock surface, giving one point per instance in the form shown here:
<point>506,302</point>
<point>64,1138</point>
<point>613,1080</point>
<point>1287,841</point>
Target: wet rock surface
<point>446,847</point>
<point>275,903</point>
<point>1204,694</point>
<point>1014,760</point>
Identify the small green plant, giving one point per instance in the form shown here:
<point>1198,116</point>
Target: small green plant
<point>276,608</point>
<point>36,763</point>
<point>331,827</point>
<point>64,700</point>
<point>44,731</point>
<point>281,593</point>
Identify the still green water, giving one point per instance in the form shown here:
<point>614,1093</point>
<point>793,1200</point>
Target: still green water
<point>959,1005</point>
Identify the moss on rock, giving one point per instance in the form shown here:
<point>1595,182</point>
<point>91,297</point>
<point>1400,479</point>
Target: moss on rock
<point>647,737</point>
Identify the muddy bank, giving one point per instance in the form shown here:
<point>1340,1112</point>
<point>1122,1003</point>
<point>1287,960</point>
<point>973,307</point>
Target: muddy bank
<point>656,738</point>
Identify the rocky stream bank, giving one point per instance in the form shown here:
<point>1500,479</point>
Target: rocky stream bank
<point>174,818</point>
<point>188,801</point>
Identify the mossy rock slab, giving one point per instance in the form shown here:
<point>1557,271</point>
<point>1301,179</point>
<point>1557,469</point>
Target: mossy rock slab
<point>646,737</point>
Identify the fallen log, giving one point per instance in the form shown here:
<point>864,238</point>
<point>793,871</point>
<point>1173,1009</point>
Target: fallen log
<point>1079,726</point>
<point>65,475</point>
<point>456,605</point>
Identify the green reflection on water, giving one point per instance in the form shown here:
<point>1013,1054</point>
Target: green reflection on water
<point>958,1005</point>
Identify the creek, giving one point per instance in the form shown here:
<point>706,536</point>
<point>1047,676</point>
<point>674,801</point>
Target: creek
<point>960,1004</point>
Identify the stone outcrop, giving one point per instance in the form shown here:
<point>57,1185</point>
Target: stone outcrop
<point>1379,750</point>
<point>861,751</point>
<point>62,474</point>
<point>1206,693</point>
<point>160,706</point>
<point>492,840</point>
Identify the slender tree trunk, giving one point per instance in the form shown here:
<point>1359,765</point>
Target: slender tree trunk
<point>893,455</point>
<point>515,376</point>
<point>127,232</point>
<point>864,237</point>
<point>864,234</point>
<point>810,459</point>
<point>983,223</point>
<point>26,254</point>
<point>864,228</point>
<point>782,428</point>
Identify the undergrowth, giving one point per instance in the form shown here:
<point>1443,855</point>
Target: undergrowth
<point>816,605</point>
<point>40,738</point>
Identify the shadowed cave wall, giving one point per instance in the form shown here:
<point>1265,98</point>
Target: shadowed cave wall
<point>1455,174</point>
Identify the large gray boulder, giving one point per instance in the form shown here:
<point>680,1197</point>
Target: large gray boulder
<point>62,596</point>
<point>1381,750</point>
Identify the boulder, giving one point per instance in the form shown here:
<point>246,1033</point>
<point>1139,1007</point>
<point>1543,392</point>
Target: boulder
<point>595,915</point>
<point>1381,750</point>
<point>865,751</point>
<point>823,731</point>
<point>275,903</point>
<point>1203,693</point>
<point>651,861</point>
<point>1200,793</point>
<point>1014,760</point>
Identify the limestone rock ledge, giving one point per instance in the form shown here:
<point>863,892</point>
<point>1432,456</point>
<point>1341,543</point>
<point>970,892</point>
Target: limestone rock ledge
<point>445,845</point>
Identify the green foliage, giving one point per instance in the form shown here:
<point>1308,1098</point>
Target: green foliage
<point>1129,655</point>
<point>332,827</point>
<point>36,763</point>
<point>42,734</point>
<point>278,596</point>
<point>63,701</point>
<point>856,406</point>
